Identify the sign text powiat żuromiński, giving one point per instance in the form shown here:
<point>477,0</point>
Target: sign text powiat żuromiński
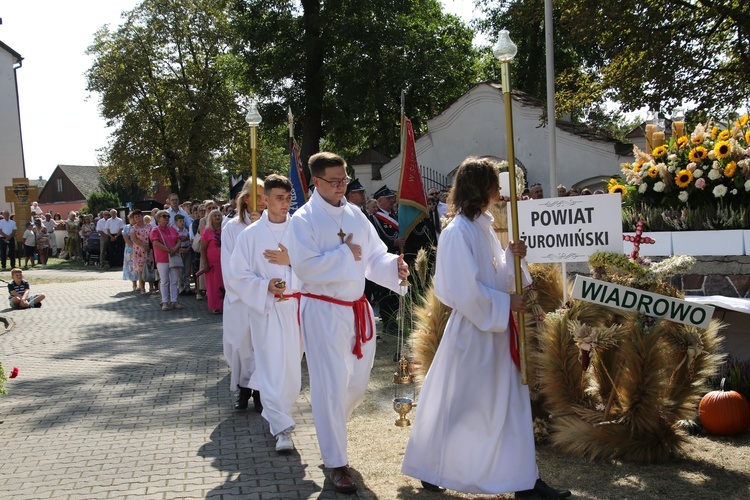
<point>651,304</point>
<point>570,229</point>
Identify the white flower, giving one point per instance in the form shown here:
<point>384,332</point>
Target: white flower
<point>691,166</point>
<point>670,168</point>
<point>714,174</point>
<point>683,196</point>
<point>659,187</point>
<point>711,155</point>
<point>672,157</point>
<point>719,191</point>
<point>697,173</point>
<point>733,191</point>
<point>747,185</point>
<point>642,188</point>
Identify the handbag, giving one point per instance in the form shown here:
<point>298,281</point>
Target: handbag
<point>174,260</point>
<point>197,243</point>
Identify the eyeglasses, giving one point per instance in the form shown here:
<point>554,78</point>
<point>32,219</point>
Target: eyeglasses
<point>165,216</point>
<point>335,183</point>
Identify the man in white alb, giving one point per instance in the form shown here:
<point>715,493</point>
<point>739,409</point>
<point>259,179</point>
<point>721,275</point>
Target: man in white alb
<point>332,248</point>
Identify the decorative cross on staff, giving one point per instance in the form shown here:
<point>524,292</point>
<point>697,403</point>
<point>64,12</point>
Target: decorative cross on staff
<point>637,240</point>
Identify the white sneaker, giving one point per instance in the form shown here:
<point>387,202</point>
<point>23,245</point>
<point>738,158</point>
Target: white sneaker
<point>284,441</point>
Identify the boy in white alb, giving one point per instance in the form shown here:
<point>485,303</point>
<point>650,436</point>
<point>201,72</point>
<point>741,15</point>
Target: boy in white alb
<point>264,281</point>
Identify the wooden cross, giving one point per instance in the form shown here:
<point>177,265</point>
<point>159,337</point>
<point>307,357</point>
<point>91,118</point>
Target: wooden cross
<point>637,240</point>
<point>21,194</point>
<point>341,234</point>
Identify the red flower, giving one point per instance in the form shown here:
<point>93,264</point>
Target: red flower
<point>14,372</point>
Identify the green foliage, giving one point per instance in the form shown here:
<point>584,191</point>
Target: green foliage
<point>3,379</point>
<point>102,200</point>
<point>341,65</point>
<point>658,53</point>
<point>164,83</point>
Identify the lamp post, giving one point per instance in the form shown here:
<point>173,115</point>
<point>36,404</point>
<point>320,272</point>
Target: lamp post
<point>505,51</point>
<point>253,119</point>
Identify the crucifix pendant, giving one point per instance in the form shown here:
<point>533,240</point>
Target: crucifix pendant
<point>341,234</point>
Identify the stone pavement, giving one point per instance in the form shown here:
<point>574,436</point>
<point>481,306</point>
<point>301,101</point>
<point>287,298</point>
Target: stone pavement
<point>118,399</point>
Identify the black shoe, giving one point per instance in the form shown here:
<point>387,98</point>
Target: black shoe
<point>543,490</point>
<point>244,397</point>
<point>256,402</point>
<point>431,487</point>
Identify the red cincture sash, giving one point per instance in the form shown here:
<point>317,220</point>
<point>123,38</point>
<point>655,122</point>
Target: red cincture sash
<point>362,318</point>
<point>515,354</point>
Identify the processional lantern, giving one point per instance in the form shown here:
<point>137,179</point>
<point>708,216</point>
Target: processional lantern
<point>253,119</point>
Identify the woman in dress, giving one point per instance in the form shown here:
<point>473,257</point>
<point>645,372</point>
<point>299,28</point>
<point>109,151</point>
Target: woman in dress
<point>86,229</point>
<point>473,429</point>
<point>73,245</point>
<point>139,233</point>
<point>128,270</point>
<point>198,226</point>
<point>166,243</point>
<point>211,261</point>
<point>42,241</point>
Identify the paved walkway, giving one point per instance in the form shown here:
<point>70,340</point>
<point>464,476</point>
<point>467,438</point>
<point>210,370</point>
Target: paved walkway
<point>118,399</point>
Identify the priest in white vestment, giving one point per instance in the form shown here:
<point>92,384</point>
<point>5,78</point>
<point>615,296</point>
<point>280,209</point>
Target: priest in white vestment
<point>262,275</point>
<point>473,425</point>
<point>238,347</point>
<point>332,248</point>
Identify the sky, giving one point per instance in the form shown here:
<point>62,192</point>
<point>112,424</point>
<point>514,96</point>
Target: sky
<point>60,121</point>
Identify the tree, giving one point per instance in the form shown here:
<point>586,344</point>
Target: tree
<point>165,87</point>
<point>102,200</point>
<point>658,53</point>
<point>341,65</point>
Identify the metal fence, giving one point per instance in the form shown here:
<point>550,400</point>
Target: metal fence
<point>433,179</point>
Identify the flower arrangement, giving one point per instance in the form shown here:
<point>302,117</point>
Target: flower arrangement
<point>695,181</point>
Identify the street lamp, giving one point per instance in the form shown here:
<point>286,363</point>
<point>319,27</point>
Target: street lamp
<point>253,119</point>
<point>505,51</point>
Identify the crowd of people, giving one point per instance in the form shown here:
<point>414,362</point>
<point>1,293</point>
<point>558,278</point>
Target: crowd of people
<point>289,285</point>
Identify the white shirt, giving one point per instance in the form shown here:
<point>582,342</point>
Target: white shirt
<point>172,213</point>
<point>101,225</point>
<point>7,226</point>
<point>114,225</point>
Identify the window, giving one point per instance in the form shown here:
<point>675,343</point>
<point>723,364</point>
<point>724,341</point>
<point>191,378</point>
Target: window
<point>59,185</point>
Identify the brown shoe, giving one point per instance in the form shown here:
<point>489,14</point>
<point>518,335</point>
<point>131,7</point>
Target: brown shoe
<point>342,480</point>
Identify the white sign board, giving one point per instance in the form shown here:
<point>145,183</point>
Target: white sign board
<point>570,229</point>
<point>651,304</point>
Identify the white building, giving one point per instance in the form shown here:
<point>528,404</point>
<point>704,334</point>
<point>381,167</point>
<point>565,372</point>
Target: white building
<point>474,125</point>
<point>11,145</point>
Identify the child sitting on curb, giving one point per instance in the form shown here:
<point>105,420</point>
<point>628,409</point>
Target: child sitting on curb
<point>20,292</point>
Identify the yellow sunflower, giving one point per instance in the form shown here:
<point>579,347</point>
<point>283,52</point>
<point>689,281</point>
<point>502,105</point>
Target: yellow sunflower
<point>730,169</point>
<point>698,154</point>
<point>714,132</point>
<point>724,135</point>
<point>653,172</point>
<point>698,139</point>
<point>747,137</point>
<point>659,151</point>
<point>682,141</point>
<point>617,188</point>
<point>722,149</point>
<point>684,178</point>
<point>743,120</point>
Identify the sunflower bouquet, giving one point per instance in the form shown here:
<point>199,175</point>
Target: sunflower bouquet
<point>705,175</point>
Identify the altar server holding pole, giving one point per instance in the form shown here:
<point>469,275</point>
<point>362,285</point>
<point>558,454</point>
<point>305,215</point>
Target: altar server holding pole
<point>473,428</point>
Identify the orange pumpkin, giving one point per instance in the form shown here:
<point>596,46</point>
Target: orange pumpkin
<point>724,412</point>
